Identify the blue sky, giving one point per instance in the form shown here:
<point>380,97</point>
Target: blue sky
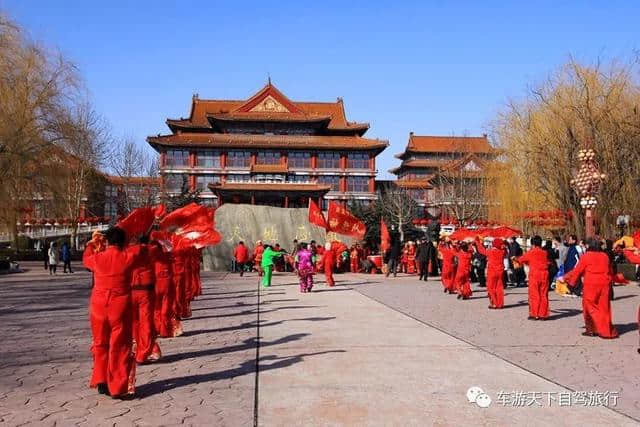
<point>432,67</point>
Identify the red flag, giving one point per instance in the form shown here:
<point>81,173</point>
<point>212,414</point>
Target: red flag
<point>385,237</point>
<point>138,222</point>
<point>343,222</point>
<point>159,211</point>
<point>192,214</point>
<point>315,215</point>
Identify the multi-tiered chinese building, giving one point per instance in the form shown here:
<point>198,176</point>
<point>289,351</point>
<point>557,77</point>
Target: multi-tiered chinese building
<point>429,162</point>
<point>269,150</point>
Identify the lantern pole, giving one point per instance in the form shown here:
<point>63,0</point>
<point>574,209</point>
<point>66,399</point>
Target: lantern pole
<point>587,183</point>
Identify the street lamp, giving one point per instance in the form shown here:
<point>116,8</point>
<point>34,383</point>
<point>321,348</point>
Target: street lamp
<point>587,183</point>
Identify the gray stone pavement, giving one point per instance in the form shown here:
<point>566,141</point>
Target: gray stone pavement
<point>207,376</point>
<point>553,349</point>
<point>368,352</point>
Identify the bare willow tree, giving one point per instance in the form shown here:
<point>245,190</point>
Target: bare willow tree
<point>461,185</point>
<point>578,105</point>
<point>36,87</point>
<point>398,206</point>
<point>129,162</point>
<point>86,148</point>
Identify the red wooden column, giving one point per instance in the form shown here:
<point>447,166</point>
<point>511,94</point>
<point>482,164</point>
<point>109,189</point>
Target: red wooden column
<point>223,159</point>
<point>283,158</point>
<point>343,166</point>
<point>192,164</point>
<point>314,160</point>
<point>253,198</point>
<point>286,200</point>
<point>253,159</point>
<point>163,159</point>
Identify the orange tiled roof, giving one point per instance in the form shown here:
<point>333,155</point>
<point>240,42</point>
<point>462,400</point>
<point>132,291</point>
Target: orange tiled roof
<point>268,186</point>
<point>276,117</point>
<point>202,108</point>
<point>279,168</point>
<point>448,144</point>
<point>415,183</point>
<point>228,140</point>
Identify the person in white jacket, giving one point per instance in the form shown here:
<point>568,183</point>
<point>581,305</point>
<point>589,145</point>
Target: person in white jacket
<point>53,258</point>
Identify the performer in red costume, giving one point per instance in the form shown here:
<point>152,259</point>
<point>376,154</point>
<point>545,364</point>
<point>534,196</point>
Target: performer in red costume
<point>163,307</point>
<point>354,259</point>
<point>178,268</point>
<point>495,270</point>
<point>257,256</point>
<point>538,261</point>
<point>110,314</point>
<point>448,267</point>
<point>463,271</point>
<point>328,263</point>
<point>142,304</point>
<point>595,268</point>
<point>634,257</point>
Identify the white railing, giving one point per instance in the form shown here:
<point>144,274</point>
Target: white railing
<point>43,232</point>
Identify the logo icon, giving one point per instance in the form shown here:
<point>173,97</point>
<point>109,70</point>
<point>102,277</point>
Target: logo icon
<point>476,395</point>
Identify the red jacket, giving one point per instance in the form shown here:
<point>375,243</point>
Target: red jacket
<point>329,259</point>
<point>257,253</point>
<point>143,271</point>
<point>538,261</point>
<point>464,263</point>
<point>595,267</point>
<point>241,253</point>
<point>495,257</point>
<point>112,267</point>
<point>162,265</point>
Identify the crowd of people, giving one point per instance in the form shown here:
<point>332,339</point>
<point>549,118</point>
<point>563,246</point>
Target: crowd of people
<point>140,293</point>
<point>142,290</point>
<point>588,267</point>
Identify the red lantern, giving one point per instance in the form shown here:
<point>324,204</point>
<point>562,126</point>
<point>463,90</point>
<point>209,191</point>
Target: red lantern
<point>415,221</point>
<point>424,221</point>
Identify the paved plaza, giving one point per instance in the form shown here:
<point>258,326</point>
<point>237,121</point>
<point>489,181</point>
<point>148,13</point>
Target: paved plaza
<point>368,352</point>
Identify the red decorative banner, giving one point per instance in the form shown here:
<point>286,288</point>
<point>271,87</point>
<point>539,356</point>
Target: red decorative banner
<point>341,221</point>
<point>315,215</point>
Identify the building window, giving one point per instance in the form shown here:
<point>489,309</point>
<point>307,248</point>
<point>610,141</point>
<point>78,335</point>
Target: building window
<point>177,158</point>
<point>238,159</point>
<point>208,159</point>
<point>269,178</point>
<point>299,160</point>
<point>268,158</point>
<point>203,181</point>
<point>358,161</point>
<point>299,178</point>
<point>173,182</point>
<point>328,160</point>
<point>332,180</point>
<point>209,202</point>
<point>358,184</point>
<point>238,178</point>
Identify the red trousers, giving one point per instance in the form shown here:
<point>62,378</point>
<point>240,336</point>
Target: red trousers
<point>328,274</point>
<point>163,308</point>
<point>448,278</point>
<point>143,330</point>
<point>538,295</point>
<point>495,288</point>
<point>596,309</point>
<point>354,265</point>
<point>463,285</point>
<point>110,316</point>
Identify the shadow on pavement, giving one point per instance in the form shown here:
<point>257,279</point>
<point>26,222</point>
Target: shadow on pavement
<point>626,327</point>
<point>247,325</point>
<point>564,312</point>
<point>248,367</point>
<point>247,344</point>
